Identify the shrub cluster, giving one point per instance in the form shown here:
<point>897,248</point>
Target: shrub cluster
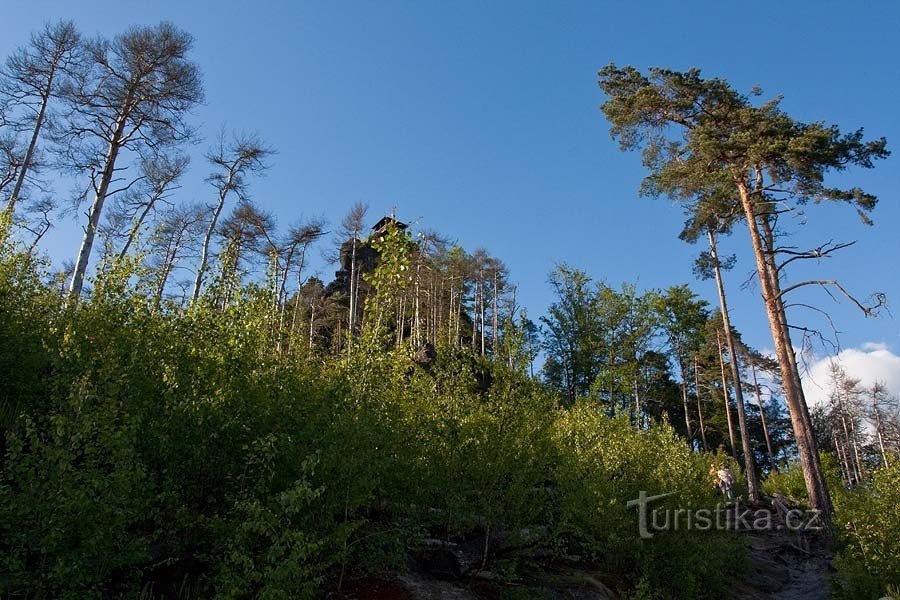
<point>179,453</point>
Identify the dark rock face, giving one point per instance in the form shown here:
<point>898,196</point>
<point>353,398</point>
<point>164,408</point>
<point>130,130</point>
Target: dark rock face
<point>366,260</point>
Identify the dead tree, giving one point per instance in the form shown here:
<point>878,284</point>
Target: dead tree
<point>233,161</point>
<point>31,79</point>
<point>171,241</point>
<point>351,229</point>
<point>882,406</point>
<point>762,414</point>
<point>135,97</point>
<point>160,176</point>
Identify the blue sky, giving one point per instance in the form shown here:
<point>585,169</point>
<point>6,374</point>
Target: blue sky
<point>481,120</point>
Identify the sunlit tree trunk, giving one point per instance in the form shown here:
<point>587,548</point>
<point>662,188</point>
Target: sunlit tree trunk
<point>684,400</point>
<point>879,426</point>
<point>90,229</point>
<point>816,486</point>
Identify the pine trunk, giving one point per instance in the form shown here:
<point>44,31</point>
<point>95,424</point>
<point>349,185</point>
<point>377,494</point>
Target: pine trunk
<point>816,486</point>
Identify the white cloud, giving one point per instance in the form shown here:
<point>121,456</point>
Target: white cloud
<point>872,346</point>
<point>870,362</point>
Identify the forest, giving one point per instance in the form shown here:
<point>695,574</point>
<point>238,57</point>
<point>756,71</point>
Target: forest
<point>188,411</point>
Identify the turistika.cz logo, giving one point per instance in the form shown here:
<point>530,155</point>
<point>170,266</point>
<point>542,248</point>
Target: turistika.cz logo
<point>722,517</point>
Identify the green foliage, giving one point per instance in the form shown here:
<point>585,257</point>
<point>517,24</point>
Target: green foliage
<point>867,521</point>
<point>159,452</point>
<point>789,480</point>
<point>721,139</point>
<point>603,461</point>
<point>869,560</point>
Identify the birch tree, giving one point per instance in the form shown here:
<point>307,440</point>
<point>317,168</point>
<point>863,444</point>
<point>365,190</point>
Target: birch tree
<point>135,98</point>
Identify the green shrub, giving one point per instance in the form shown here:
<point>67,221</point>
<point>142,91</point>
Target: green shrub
<point>869,521</point>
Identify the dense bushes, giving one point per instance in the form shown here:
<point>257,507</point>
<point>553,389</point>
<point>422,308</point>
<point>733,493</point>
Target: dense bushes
<point>604,461</point>
<point>167,452</point>
<point>869,520</point>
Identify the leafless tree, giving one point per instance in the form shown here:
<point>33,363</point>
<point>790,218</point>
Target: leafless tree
<point>845,410</point>
<point>882,413</point>
<point>32,77</point>
<point>38,221</point>
<point>160,175</point>
<point>351,228</point>
<point>135,97</point>
<point>171,241</point>
<point>246,235</point>
<point>233,161</point>
<point>292,253</point>
<point>10,161</point>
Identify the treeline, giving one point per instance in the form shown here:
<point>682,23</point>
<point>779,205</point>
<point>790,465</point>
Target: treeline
<point>113,116</point>
<point>661,354</point>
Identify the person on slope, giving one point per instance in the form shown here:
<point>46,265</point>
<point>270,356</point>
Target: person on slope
<point>725,481</point>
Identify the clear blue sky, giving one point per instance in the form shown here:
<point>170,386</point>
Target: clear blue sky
<point>481,120</point>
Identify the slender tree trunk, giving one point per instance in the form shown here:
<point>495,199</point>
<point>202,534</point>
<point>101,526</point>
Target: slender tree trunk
<point>879,428</point>
<point>475,317</point>
<point>417,318</point>
<point>725,395</point>
<point>351,319</point>
<point>482,313</point>
<point>816,486</point>
<point>32,144</point>
<point>165,269</point>
<point>312,320</point>
<point>842,460</point>
<point>495,317</point>
<point>699,408</point>
<point>136,228</point>
<point>684,399</point>
<point>850,444</point>
<point>459,301</point>
<point>90,230</point>
<point>762,418</point>
<point>749,462</point>
<point>204,251</point>
<point>450,319</point>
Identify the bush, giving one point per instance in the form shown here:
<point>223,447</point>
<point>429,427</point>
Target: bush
<point>603,463</point>
<point>868,519</point>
